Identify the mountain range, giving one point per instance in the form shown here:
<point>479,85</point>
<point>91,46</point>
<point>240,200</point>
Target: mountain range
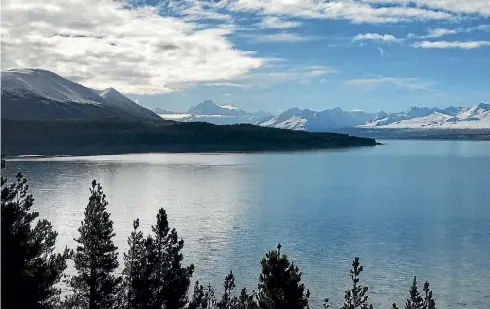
<point>46,114</point>
<point>475,117</point>
<point>43,95</point>
<point>208,111</point>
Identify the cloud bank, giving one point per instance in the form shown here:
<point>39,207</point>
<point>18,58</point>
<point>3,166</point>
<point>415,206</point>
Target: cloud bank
<point>102,43</point>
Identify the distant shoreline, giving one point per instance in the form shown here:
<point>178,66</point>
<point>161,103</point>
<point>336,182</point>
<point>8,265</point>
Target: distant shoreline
<point>419,134</point>
<point>28,157</point>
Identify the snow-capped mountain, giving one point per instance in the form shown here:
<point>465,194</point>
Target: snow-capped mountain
<point>305,119</point>
<point>158,110</point>
<point>208,111</point>
<point>48,85</point>
<point>116,99</point>
<point>41,94</point>
<point>476,117</point>
<point>208,107</point>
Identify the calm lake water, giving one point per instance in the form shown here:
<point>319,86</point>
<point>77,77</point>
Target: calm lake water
<point>406,208</point>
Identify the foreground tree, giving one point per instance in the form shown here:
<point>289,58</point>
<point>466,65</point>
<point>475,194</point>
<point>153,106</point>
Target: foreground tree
<point>416,301</point>
<point>247,301</point>
<point>280,285</point>
<point>133,276</point>
<point>228,301</point>
<point>203,298</point>
<point>30,269</point>
<point>96,286</point>
<point>164,281</point>
<point>356,297</point>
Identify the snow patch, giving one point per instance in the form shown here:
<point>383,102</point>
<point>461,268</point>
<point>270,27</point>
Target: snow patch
<point>174,116</point>
<point>229,107</point>
<point>42,83</point>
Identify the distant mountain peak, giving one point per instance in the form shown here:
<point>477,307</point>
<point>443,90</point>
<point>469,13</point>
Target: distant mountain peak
<point>483,105</point>
<point>159,110</point>
<point>208,107</point>
<point>110,90</point>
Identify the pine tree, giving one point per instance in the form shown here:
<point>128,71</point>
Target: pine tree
<point>134,260</point>
<point>30,269</point>
<point>96,286</point>
<point>416,301</point>
<point>198,299</point>
<point>246,301</point>
<point>356,297</point>
<point>280,284</point>
<point>429,302</point>
<point>227,300</point>
<point>167,281</point>
<point>202,299</point>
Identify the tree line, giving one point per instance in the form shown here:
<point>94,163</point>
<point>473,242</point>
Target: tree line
<point>153,275</point>
<point>82,137</point>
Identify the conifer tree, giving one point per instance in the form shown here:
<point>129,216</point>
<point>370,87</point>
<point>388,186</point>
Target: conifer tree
<point>280,284</point>
<point>198,299</point>
<point>167,281</point>
<point>203,298</point>
<point>133,276</point>
<point>96,286</point>
<point>246,301</point>
<point>30,269</point>
<point>356,297</point>
<point>227,300</point>
<point>416,301</point>
<point>429,302</point>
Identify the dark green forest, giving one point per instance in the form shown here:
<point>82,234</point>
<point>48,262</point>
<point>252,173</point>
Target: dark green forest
<point>153,275</point>
<point>88,137</point>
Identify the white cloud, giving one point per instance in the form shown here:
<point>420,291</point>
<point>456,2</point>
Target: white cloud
<point>449,44</point>
<point>102,43</point>
<point>197,12</point>
<point>355,11</point>
<point>438,32</point>
<point>284,37</point>
<point>377,80</point>
<point>316,73</point>
<point>273,22</point>
<point>231,85</point>
<point>381,51</point>
<point>481,7</point>
<point>376,37</point>
<point>271,78</point>
<point>483,27</point>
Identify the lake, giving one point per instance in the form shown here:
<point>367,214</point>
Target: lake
<point>406,208</point>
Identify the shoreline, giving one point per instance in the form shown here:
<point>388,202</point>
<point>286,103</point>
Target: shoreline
<point>29,157</point>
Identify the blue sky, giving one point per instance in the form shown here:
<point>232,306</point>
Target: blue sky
<point>266,54</point>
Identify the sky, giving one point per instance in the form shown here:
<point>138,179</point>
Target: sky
<point>267,55</point>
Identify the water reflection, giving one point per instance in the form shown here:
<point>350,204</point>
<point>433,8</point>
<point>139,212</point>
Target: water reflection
<point>406,208</point>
